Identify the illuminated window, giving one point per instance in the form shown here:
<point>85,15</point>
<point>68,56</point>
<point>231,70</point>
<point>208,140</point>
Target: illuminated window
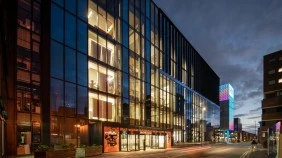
<point>280,80</point>
<point>280,69</point>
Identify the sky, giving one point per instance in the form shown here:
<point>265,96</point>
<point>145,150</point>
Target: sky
<point>232,36</point>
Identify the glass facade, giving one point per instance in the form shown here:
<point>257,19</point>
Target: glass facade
<point>121,75</point>
<point>69,72</point>
<point>28,97</point>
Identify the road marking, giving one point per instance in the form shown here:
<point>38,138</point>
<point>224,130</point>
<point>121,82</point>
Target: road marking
<point>245,154</point>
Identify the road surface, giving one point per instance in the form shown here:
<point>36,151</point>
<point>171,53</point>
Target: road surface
<point>237,150</point>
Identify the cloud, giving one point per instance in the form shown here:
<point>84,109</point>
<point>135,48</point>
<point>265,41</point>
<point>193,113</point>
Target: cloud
<point>240,115</point>
<point>255,117</point>
<point>255,110</point>
<point>251,112</point>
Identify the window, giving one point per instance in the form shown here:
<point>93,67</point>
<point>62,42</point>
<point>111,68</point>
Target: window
<point>102,107</point>
<point>280,80</point>
<point>271,82</point>
<point>271,61</point>
<point>280,69</point>
<point>102,78</point>
<point>97,17</point>
<point>271,71</point>
<point>101,49</point>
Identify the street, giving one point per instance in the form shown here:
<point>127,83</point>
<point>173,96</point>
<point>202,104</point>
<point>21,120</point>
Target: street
<point>237,150</point>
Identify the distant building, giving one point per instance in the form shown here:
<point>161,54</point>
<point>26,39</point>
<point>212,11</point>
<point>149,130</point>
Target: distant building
<point>237,125</point>
<point>272,102</point>
<point>226,100</point>
<point>238,129</point>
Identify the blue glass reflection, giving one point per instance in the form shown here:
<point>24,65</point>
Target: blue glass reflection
<point>82,9</point>
<point>82,36</point>
<point>70,65</point>
<point>56,60</point>
<point>82,69</point>
<point>124,10</point>
<point>56,96</point>
<point>71,6</point>
<point>125,85</point>
<point>59,2</point>
<point>70,29</point>
<point>57,24</point>
<point>70,99</point>
<point>125,59</point>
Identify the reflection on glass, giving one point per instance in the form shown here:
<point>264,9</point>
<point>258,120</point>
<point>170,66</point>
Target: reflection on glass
<point>57,97</point>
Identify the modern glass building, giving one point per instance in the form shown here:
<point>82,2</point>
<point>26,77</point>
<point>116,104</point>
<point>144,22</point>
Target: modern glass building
<point>226,99</point>
<point>109,72</point>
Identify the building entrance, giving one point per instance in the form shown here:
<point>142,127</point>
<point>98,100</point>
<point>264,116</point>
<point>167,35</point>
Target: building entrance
<point>131,139</point>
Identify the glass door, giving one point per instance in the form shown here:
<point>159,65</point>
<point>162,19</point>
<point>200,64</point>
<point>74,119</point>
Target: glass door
<point>155,141</point>
<point>131,142</point>
<point>124,141</point>
<point>161,141</point>
<point>148,141</point>
<point>137,142</point>
<point>141,142</point>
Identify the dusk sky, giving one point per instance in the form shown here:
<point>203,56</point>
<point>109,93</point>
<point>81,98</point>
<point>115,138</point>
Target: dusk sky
<point>232,36</point>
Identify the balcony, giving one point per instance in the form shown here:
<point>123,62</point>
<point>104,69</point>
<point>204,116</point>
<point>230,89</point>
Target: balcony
<point>272,116</point>
<point>269,102</point>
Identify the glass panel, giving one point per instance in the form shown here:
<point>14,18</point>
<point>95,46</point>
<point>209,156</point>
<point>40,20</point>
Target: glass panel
<point>82,104</point>
<point>82,69</point>
<point>56,60</point>
<point>71,131</point>
<point>24,17</point>
<point>23,38</point>
<point>82,9</point>
<point>70,65</point>
<point>60,2</point>
<point>93,75</point>
<point>57,19</point>
<point>70,29</point>
<point>57,130</point>
<point>70,99</point>
<point>124,141</point>
<point>82,36</point>
<point>93,45</point>
<point>131,39</point>
<point>111,81</point>
<point>71,6</point>
<point>131,142</point>
<point>57,97</point>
